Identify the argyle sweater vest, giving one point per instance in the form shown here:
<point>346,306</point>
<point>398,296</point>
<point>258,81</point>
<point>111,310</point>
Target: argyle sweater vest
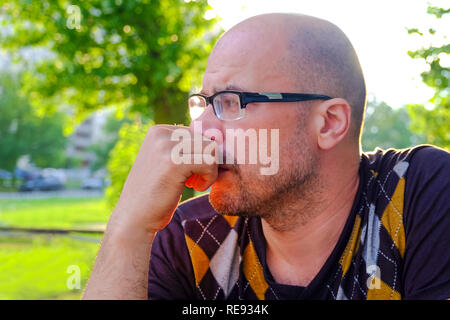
<point>226,264</point>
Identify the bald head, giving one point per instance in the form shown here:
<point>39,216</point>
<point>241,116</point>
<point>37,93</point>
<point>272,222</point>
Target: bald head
<point>314,56</point>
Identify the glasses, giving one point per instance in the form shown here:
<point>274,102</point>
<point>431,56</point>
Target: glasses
<point>230,105</point>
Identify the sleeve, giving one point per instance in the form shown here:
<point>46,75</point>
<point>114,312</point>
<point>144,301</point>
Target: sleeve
<point>426,270</point>
<point>170,274</point>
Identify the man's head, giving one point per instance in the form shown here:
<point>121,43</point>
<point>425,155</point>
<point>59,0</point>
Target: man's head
<point>295,54</point>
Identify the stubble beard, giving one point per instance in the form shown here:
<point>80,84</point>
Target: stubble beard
<point>274,198</point>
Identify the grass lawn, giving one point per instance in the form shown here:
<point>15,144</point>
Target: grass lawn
<point>36,267</point>
<point>53,212</point>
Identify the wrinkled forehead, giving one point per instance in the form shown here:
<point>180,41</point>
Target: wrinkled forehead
<point>246,58</point>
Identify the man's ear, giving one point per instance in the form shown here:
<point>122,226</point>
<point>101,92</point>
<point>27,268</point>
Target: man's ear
<point>332,121</point>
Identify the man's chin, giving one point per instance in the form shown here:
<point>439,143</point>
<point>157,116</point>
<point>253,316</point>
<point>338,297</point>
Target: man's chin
<point>228,201</point>
<point>223,198</point>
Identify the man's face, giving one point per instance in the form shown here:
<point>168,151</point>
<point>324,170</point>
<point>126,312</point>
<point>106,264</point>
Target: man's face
<point>241,63</point>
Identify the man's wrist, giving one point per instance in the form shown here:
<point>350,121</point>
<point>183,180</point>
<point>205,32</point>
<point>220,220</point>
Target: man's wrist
<point>122,231</point>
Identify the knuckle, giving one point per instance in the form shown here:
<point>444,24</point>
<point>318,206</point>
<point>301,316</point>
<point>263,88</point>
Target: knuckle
<point>152,130</point>
<point>156,130</point>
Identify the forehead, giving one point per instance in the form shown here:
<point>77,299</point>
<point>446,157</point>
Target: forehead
<point>247,60</point>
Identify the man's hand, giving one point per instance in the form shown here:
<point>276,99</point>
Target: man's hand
<point>149,197</point>
<point>155,183</point>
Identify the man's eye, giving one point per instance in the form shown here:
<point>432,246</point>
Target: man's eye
<point>228,103</point>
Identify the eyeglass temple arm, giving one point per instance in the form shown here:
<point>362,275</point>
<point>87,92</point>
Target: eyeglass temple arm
<point>248,97</point>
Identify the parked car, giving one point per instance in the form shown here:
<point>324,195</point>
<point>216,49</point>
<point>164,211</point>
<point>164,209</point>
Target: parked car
<point>93,184</point>
<point>43,184</point>
<point>4,174</point>
<point>5,178</point>
<point>31,174</point>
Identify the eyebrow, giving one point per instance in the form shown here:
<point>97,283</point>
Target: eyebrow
<point>228,87</point>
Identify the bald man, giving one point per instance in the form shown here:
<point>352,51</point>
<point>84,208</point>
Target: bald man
<point>330,222</point>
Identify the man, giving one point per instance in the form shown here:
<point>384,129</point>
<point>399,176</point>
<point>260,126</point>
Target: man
<point>330,223</point>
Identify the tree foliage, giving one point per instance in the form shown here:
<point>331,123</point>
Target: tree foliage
<point>102,149</point>
<point>386,127</point>
<point>434,121</point>
<point>131,136</point>
<point>139,55</point>
<point>23,132</point>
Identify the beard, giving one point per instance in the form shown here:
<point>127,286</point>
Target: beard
<point>244,192</point>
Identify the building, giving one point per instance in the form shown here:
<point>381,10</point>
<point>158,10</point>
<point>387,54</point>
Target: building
<point>88,133</point>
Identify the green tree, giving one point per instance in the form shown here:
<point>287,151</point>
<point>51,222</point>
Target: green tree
<point>23,132</point>
<point>386,127</point>
<point>140,57</point>
<point>131,136</point>
<point>103,148</point>
<point>434,122</point>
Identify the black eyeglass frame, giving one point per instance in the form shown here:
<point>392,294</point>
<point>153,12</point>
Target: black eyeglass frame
<point>249,97</point>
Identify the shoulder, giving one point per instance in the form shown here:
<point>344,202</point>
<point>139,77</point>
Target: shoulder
<point>426,223</point>
<point>426,160</point>
<point>422,173</point>
<point>425,152</point>
<point>404,162</point>
<point>427,185</point>
<point>406,195</point>
<point>422,167</point>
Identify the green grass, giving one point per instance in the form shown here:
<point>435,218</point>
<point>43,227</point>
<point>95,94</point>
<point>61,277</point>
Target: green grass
<point>53,212</point>
<point>35,267</point>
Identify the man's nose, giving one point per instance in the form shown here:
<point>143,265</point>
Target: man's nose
<point>208,125</point>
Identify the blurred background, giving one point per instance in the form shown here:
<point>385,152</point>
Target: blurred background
<point>82,81</point>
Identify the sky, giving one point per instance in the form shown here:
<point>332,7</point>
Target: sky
<point>377,30</point>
